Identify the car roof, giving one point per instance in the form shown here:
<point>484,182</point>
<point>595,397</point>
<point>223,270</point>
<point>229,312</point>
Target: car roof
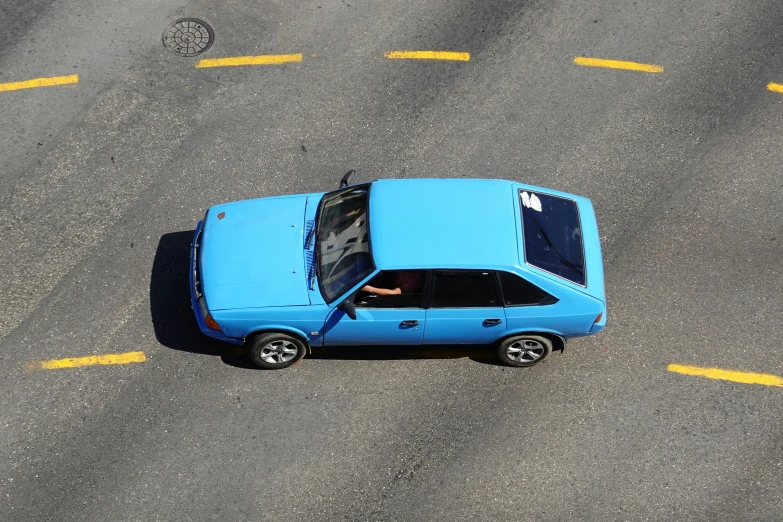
<point>443,223</point>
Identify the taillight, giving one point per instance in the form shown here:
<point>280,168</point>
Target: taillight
<point>598,318</point>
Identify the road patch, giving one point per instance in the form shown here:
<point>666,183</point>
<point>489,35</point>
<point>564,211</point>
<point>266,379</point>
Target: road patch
<point>427,55</point>
<point>114,358</point>
<point>266,59</point>
<point>618,64</point>
<point>728,375</point>
<point>40,82</point>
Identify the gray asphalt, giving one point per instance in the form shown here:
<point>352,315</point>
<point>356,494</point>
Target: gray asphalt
<point>101,184</point>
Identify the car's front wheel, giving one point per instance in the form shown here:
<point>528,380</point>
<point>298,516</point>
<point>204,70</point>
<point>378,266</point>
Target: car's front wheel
<point>275,350</point>
<point>524,350</point>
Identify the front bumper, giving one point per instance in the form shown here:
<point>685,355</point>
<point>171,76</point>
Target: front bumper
<point>197,301</point>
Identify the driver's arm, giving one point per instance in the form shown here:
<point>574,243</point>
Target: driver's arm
<point>381,291</point>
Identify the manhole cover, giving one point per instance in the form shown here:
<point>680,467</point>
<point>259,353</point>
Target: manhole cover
<point>188,37</point>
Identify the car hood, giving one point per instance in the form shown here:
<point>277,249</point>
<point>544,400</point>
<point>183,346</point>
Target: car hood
<point>252,254</point>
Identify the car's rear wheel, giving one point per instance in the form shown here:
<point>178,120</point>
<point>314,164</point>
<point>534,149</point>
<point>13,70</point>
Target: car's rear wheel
<point>275,350</point>
<point>524,350</point>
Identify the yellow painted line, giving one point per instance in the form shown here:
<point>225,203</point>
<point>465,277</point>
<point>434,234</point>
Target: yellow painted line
<point>728,375</point>
<point>115,358</point>
<point>617,64</point>
<point>39,82</point>
<point>775,87</point>
<point>265,59</point>
<point>428,55</point>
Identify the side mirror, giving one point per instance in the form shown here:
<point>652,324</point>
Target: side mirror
<point>346,178</point>
<point>348,307</point>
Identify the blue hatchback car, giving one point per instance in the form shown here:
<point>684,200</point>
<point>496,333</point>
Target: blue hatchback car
<point>400,262</point>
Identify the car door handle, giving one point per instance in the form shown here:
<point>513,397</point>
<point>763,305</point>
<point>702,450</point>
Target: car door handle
<point>410,323</point>
<point>492,321</point>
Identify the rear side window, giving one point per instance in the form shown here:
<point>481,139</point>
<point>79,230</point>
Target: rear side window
<point>553,235</point>
<point>464,289</point>
<point>518,292</point>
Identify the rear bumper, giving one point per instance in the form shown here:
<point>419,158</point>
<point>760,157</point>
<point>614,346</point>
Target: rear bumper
<point>597,327</point>
<point>197,301</point>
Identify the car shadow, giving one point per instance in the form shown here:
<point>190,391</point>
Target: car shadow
<point>175,326</point>
<point>172,317</point>
<point>478,353</point>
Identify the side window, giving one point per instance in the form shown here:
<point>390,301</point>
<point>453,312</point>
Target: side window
<point>393,289</point>
<point>518,292</point>
<point>464,289</point>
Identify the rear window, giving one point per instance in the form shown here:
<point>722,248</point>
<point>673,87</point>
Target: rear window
<point>553,235</point>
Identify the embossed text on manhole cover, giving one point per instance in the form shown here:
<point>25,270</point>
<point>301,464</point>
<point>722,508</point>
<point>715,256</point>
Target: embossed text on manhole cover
<point>188,37</point>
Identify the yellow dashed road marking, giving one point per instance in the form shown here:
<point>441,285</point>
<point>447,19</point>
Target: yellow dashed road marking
<point>728,375</point>
<point>428,55</point>
<point>265,59</point>
<point>617,64</point>
<point>775,87</point>
<point>40,82</point>
<point>115,358</point>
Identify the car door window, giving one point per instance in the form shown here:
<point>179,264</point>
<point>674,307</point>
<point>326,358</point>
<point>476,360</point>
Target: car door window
<point>393,289</point>
<point>464,289</point>
<point>519,292</point>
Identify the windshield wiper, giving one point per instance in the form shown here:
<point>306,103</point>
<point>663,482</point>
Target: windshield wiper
<point>312,232</point>
<point>314,270</point>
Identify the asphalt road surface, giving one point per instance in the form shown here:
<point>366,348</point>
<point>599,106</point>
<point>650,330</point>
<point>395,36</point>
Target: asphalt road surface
<point>102,182</point>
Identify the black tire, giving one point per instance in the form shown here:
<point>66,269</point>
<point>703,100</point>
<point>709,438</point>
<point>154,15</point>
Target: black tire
<point>274,350</point>
<point>524,350</point>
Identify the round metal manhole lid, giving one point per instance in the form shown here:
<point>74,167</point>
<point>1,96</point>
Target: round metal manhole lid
<point>188,37</point>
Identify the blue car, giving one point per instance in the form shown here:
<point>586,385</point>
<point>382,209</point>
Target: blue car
<point>400,262</point>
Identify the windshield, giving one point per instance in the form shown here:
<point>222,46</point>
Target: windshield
<point>344,257</point>
<point>553,235</point>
